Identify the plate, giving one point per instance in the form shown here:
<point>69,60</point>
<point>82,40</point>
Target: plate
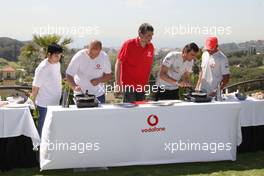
<point>166,104</point>
<point>16,105</point>
<point>198,94</point>
<point>161,103</point>
<point>126,105</point>
<point>170,101</point>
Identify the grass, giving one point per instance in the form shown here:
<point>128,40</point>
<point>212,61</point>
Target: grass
<point>262,67</point>
<point>247,164</point>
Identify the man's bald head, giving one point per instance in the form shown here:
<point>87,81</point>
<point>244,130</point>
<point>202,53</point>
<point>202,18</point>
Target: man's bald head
<point>94,48</point>
<point>95,44</point>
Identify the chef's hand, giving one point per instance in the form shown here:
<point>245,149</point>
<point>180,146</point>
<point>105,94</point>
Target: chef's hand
<point>95,82</point>
<point>77,88</point>
<point>184,84</point>
<point>118,92</point>
<point>212,94</point>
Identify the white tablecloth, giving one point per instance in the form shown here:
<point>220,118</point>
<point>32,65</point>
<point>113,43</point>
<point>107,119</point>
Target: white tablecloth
<point>16,122</point>
<point>252,112</point>
<point>113,136</point>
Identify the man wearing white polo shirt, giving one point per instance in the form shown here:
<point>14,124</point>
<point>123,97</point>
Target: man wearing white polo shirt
<point>175,72</point>
<point>215,68</point>
<point>46,86</point>
<point>88,70</point>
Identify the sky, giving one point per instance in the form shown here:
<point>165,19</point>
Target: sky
<point>176,22</point>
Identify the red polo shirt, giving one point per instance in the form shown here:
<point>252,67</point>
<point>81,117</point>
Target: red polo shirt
<point>136,63</point>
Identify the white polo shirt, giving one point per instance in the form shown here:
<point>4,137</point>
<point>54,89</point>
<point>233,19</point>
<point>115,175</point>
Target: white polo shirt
<point>177,67</point>
<point>48,79</point>
<point>84,69</point>
<point>213,68</point>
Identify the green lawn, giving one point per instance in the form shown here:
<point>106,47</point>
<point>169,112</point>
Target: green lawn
<point>262,67</point>
<point>247,164</point>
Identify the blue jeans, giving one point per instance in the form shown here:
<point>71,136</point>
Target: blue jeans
<point>101,99</point>
<point>42,111</point>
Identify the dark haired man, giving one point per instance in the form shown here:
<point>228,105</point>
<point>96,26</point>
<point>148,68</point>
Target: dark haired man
<point>175,72</point>
<point>46,86</point>
<point>133,65</point>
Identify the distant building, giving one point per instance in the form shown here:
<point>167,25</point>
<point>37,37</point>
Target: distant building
<point>8,75</point>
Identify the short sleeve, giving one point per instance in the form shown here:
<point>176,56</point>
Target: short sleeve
<point>123,53</point>
<point>168,60</point>
<point>225,66</point>
<point>39,77</point>
<point>204,58</point>
<point>189,68</point>
<point>74,65</point>
<point>107,65</point>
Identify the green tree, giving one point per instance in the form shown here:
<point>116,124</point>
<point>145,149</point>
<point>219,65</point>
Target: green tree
<point>33,52</point>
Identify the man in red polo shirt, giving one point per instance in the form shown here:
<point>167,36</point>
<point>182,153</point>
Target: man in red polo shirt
<point>133,65</point>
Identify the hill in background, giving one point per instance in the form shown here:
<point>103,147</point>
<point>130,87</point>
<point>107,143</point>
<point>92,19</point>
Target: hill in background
<point>10,48</point>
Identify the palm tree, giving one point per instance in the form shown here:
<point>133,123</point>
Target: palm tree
<point>44,41</point>
<point>33,52</point>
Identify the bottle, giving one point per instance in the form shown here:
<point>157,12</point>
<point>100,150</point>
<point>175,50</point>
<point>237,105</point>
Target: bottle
<point>65,98</point>
<point>219,93</point>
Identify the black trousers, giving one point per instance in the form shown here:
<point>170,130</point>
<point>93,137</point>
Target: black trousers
<point>167,94</point>
<point>131,96</point>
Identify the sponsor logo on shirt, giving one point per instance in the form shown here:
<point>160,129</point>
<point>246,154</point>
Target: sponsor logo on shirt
<point>98,67</point>
<point>152,121</point>
<point>212,65</point>
<point>149,54</point>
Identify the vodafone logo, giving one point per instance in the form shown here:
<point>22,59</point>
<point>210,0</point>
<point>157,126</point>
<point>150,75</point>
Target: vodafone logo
<point>98,66</point>
<point>149,54</point>
<point>152,121</point>
<point>212,66</point>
